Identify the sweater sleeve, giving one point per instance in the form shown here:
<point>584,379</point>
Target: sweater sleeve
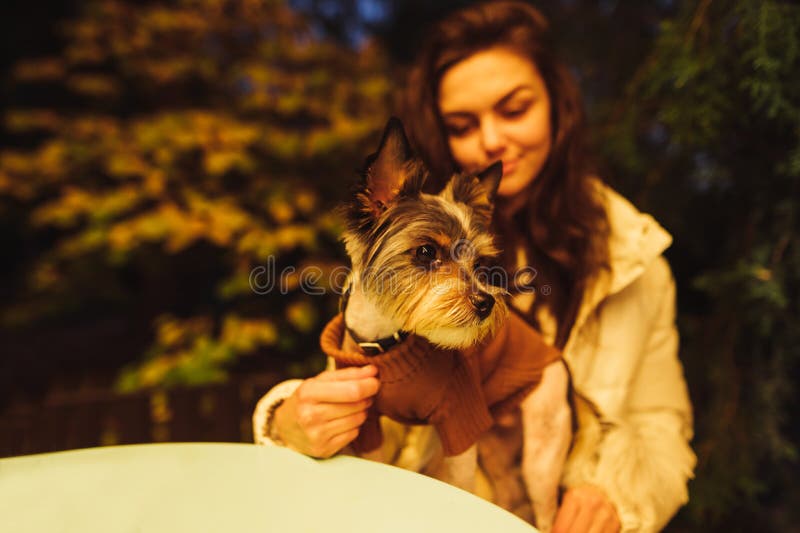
<point>643,457</point>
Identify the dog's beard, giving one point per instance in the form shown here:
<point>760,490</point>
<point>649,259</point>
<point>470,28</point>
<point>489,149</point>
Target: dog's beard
<point>458,327</point>
<point>434,305</point>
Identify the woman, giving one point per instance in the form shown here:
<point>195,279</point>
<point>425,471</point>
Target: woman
<point>486,87</point>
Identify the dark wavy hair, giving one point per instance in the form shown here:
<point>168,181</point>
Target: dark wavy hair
<point>563,226</point>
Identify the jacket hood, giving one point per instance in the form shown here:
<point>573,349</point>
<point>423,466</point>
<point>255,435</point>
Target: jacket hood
<point>635,241</point>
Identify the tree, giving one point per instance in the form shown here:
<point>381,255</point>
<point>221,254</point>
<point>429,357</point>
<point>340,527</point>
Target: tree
<point>183,144</point>
<point>711,120</point>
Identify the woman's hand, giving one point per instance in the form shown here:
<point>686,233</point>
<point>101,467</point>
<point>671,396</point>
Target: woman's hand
<point>325,412</point>
<point>585,509</point>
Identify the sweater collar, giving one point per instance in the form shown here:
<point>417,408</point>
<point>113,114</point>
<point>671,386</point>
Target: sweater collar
<point>370,347</point>
<point>402,360</point>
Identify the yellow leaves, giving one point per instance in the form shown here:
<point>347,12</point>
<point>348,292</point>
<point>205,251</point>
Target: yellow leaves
<point>154,183</point>
<point>282,143</point>
<point>155,178</point>
<point>17,163</point>
<point>164,71</point>
<point>216,221</point>
<point>126,162</point>
<point>222,218</point>
<point>306,201</point>
<point>166,223</point>
<point>152,372</point>
<point>84,30</point>
<point>186,351</point>
<point>257,242</point>
<point>217,163</point>
<point>48,163</point>
<point>32,119</point>
<point>302,315</point>
<point>52,158</point>
<point>85,53</point>
<point>260,243</point>
<point>14,186</point>
<point>224,140</point>
<point>763,274</point>
<point>245,335</point>
<point>172,332</point>
<point>92,128</point>
<point>235,133</point>
<point>171,20</point>
<point>74,204</point>
<point>95,85</point>
<point>374,87</point>
<point>289,103</point>
<point>65,210</point>
<point>39,70</point>
<point>280,209</point>
<point>295,236</point>
<point>92,238</point>
<point>116,202</point>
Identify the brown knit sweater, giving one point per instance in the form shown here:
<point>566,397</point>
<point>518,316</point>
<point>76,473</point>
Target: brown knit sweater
<point>460,392</point>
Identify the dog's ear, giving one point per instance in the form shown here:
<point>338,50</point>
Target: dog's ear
<point>390,172</point>
<point>490,179</point>
<point>477,191</point>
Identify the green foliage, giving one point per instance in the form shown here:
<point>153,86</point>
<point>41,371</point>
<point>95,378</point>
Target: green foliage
<point>712,120</point>
<point>184,126</point>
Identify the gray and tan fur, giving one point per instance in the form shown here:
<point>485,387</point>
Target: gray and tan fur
<point>392,288</point>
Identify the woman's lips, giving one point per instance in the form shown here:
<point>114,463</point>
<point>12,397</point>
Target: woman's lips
<point>509,167</point>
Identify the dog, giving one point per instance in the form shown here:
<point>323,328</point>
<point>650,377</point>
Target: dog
<point>422,265</point>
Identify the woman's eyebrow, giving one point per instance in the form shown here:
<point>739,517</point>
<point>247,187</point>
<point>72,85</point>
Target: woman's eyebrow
<point>502,101</point>
<point>510,94</point>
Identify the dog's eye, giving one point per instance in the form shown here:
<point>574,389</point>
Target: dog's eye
<point>427,253</point>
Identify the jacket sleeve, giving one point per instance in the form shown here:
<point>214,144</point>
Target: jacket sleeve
<point>279,392</point>
<point>643,457</point>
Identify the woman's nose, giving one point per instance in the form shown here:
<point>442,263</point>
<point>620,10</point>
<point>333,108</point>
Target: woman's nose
<point>492,140</point>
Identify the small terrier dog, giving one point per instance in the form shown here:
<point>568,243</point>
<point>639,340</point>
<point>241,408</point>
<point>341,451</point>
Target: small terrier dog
<point>421,264</point>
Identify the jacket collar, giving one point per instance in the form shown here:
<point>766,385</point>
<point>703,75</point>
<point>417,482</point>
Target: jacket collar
<point>635,241</point>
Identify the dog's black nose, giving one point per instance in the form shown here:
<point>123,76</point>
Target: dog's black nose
<point>482,303</point>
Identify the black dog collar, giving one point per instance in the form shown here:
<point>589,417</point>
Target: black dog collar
<point>375,347</point>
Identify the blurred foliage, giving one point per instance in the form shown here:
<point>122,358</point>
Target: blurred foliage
<point>711,120</point>
<point>168,128</point>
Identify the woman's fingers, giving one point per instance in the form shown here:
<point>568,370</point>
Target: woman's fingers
<point>326,411</point>
<point>345,424</point>
<point>586,509</point>
<point>331,387</point>
<point>351,372</point>
<point>329,438</point>
<point>604,522</point>
<point>566,515</point>
<point>337,443</point>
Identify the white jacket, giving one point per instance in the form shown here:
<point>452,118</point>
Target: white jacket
<point>623,356</point>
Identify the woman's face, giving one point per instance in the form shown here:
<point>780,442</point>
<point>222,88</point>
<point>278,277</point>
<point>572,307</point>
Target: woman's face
<point>495,106</point>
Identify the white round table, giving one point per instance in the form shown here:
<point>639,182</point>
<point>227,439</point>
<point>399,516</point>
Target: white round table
<point>196,487</point>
